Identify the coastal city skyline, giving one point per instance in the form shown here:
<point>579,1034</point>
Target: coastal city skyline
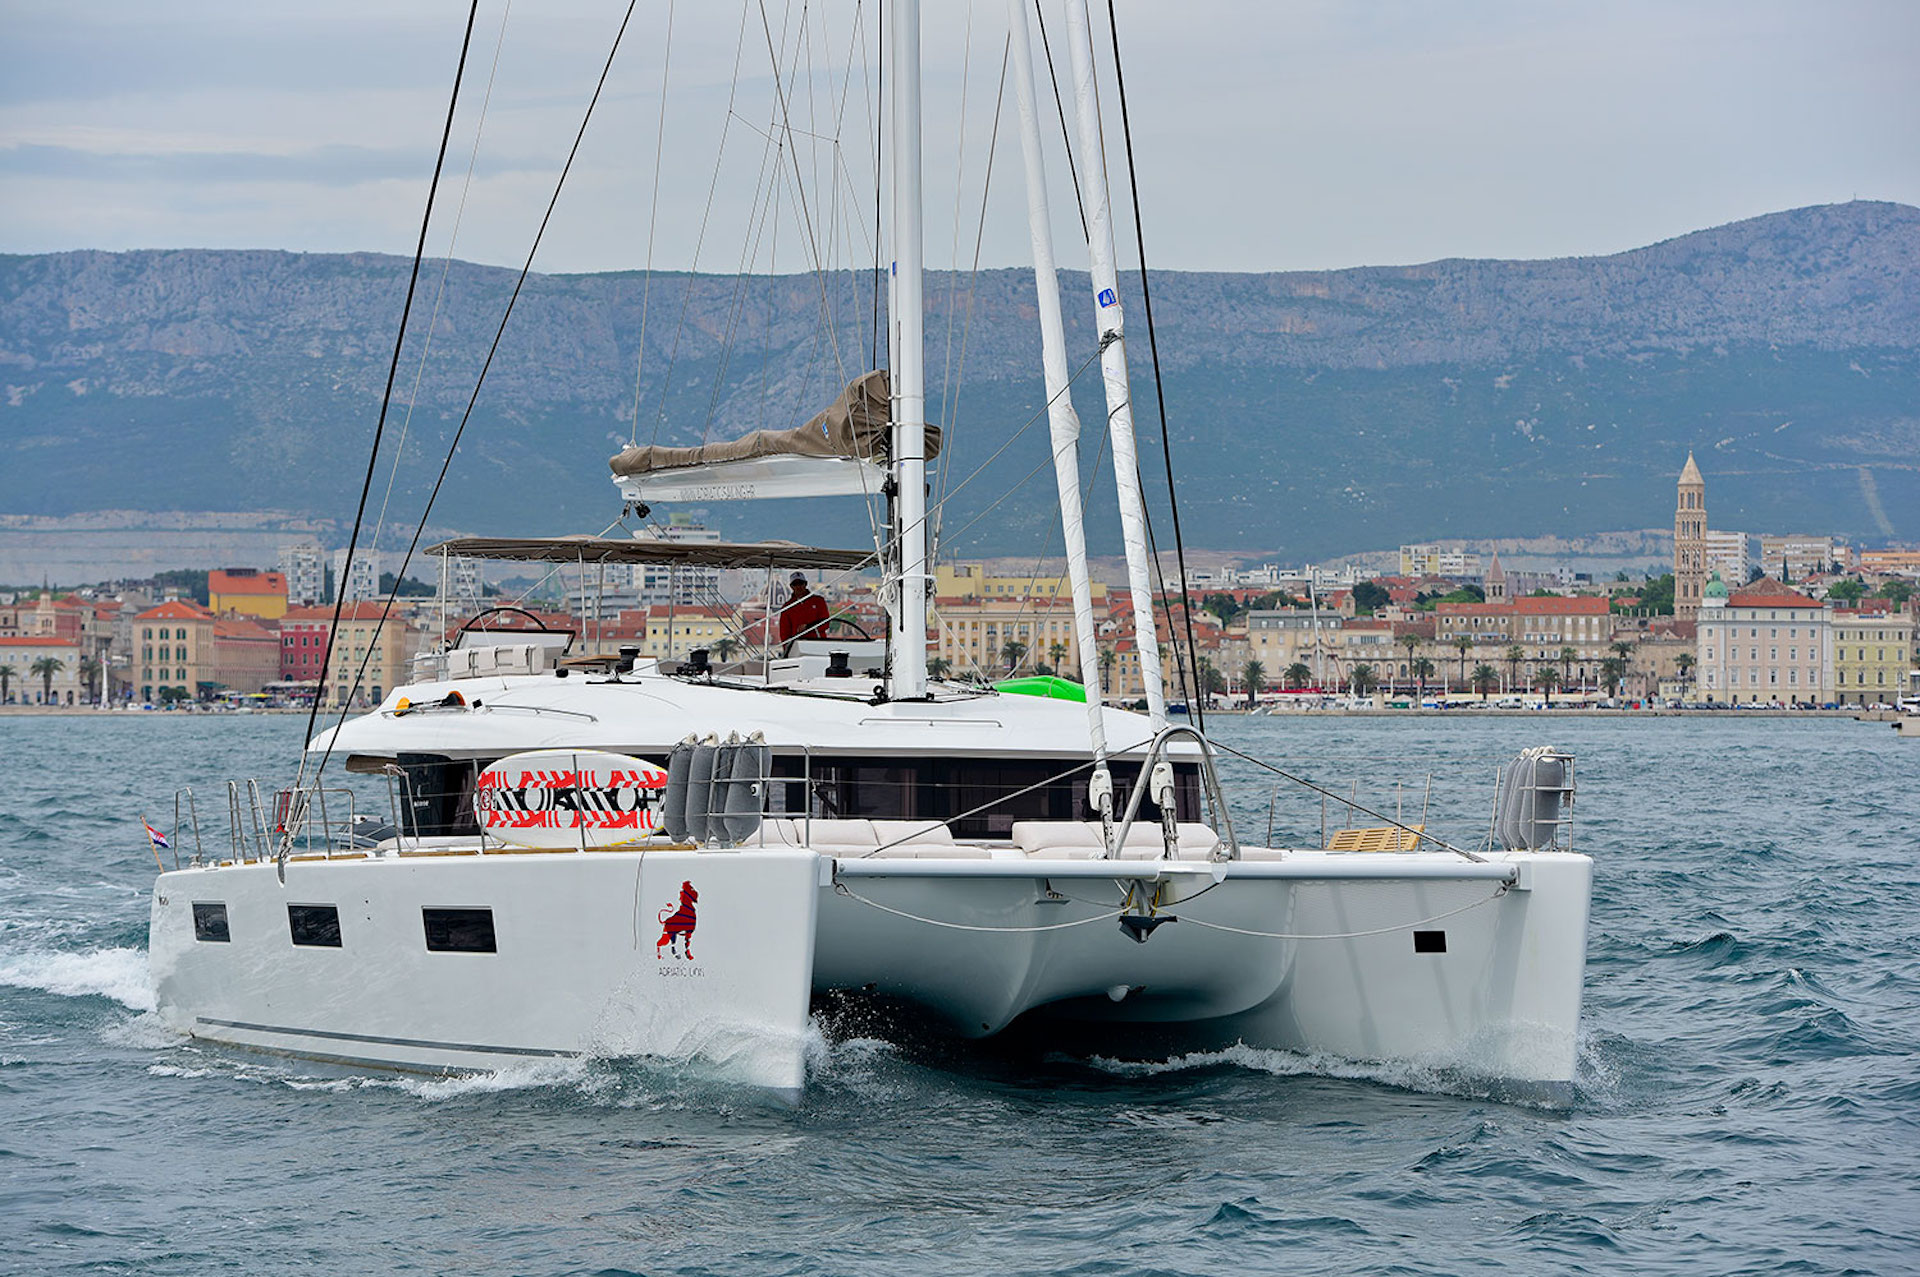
<point>1448,618</point>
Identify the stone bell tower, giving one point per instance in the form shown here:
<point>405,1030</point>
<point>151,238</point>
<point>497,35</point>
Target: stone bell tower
<point>1690,543</point>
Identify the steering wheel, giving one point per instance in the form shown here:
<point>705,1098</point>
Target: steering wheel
<point>849,623</point>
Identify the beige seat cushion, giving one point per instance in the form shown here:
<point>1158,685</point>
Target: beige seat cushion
<point>912,831</point>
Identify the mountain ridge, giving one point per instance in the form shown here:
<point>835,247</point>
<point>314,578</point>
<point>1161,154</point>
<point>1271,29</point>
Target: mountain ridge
<point>1314,411</point>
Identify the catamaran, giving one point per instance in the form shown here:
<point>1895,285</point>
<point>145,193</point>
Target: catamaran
<point>604,854</point>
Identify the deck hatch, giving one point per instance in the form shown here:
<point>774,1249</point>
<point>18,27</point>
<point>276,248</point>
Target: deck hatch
<point>314,926</point>
<point>459,930</point>
<point>210,921</point>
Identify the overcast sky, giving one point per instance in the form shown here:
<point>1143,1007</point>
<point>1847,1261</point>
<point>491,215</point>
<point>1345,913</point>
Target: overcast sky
<point>1271,134</point>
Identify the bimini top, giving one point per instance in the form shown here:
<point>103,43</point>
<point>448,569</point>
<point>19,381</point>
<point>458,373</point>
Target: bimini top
<point>590,549</point>
<point>858,425</point>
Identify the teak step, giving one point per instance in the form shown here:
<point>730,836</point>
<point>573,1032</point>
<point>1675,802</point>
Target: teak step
<point>1384,838</point>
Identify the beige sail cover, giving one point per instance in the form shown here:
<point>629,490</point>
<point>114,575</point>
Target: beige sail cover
<point>857,424</point>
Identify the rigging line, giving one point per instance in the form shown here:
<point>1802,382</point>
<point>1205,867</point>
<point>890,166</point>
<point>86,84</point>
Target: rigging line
<point>440,289</point>
<point>757,215</point>
<point>1502,890</point>
<point>806,215</point>
<point>386,400</point>
<point>1159,392</point>
<point>1066,138</point>
<point>879,123</point>
<point>653,224</point>
<point>1352,803</point>
<point>959,195</point>
<point>706,217</point>
<point>454,445</point>
<point>973,279</point>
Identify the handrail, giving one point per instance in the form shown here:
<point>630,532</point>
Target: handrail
<point>1208,776</point>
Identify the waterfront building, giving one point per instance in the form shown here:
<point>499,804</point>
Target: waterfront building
<point>303,567</point>
<point>1731,554</point>
<point>363,637</point>
<point>973,634</point>
<point>19,653</point>
<point>175,651</point>
<point>1438,560</point>
<point>247,591</point>
<point>1768,644</point>
<point>246,654</point>
<point>1872,651</point>
<point>1888,562</point>
<point>1689,542</point>
<point>362,583</point>
<point>1794,558</point>
<point>1288,636</point>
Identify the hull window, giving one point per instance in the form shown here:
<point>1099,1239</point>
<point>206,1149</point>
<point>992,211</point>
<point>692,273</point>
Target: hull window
<point>314,926</point>
<point>1429,942</point>
<point>210,922</point>
<point>459,930</point>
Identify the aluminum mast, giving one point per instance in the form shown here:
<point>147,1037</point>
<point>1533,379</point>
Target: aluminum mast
<point>908,320</point>
<point>1113,357</point>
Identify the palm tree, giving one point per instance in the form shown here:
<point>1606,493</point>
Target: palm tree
<point>1363,678</point>
<point>1298,675</point>
<point>1485,679</point>
<point>1515,654</point>
<point>1057,653</point>
<point>1546,678</point>
<point>1612,670</point>
<point>1422,670</point>
<point>1463,644</point>
<point>724,647</point>
<point>6,683</point>
<point>938,667</point>
<point>1013,651</point>
<point>1108,658</point>
<point>90,671</point>
<point>1412,643</point>
<point>1623,648</point>
<point>1253,674</point>
<point>1684,662</point>
<point>45,668</point>
<point>1568,655</point>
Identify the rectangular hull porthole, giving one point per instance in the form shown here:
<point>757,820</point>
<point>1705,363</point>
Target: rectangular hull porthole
<point>1429,942</point>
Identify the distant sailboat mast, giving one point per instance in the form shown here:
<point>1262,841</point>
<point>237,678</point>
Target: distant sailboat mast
<point>907,321</point>
<point>1113,358</point>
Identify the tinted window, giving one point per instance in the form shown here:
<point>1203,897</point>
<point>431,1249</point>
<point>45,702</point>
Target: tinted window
<point>210,922</point>
<point>459,930</point>
<point>316,925</point>
<point>1429,942</point>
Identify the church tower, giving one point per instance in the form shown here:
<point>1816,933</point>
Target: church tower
<point>1496,581</point>
<point>1690,543</point>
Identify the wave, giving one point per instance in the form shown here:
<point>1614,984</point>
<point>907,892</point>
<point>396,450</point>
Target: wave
<point>1434,1077</point>
<point>117,973</point>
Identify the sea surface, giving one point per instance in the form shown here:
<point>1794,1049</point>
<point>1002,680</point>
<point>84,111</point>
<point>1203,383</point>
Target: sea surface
<point>1749,1098</point>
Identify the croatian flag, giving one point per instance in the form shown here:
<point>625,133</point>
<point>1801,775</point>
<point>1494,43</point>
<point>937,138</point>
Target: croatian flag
<point>157,838</point>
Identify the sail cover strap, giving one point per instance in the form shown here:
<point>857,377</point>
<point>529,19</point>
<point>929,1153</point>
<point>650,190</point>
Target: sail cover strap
<point>858,424</point>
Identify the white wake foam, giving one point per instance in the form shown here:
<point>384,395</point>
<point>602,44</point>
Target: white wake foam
<point>120,974</point>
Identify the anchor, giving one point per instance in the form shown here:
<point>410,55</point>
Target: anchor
<point>1140,926</point>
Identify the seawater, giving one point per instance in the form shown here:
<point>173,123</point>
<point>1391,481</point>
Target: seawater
<point>1749,1097</point>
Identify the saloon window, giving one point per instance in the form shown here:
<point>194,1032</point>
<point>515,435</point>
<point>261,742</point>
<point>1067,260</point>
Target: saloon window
<point>459,930</point>
<point>210,922</point>
<point>315,926</point>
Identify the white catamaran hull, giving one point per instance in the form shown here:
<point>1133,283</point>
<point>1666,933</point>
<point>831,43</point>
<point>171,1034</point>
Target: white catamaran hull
<point>593,954</point>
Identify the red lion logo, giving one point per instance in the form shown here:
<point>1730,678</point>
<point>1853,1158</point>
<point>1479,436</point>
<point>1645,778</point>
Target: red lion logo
<point>677,924</point>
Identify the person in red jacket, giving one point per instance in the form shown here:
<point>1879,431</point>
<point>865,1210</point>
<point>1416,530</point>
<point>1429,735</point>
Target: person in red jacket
<point>805,613</point>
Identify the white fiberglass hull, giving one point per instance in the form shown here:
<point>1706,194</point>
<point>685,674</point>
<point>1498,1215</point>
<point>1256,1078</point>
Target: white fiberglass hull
<point>579,971</point>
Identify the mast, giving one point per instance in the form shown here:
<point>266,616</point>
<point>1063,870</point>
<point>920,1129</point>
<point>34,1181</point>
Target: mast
<point>1062,422</point>
<point>1113,357</point>
<point>908,318</point>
